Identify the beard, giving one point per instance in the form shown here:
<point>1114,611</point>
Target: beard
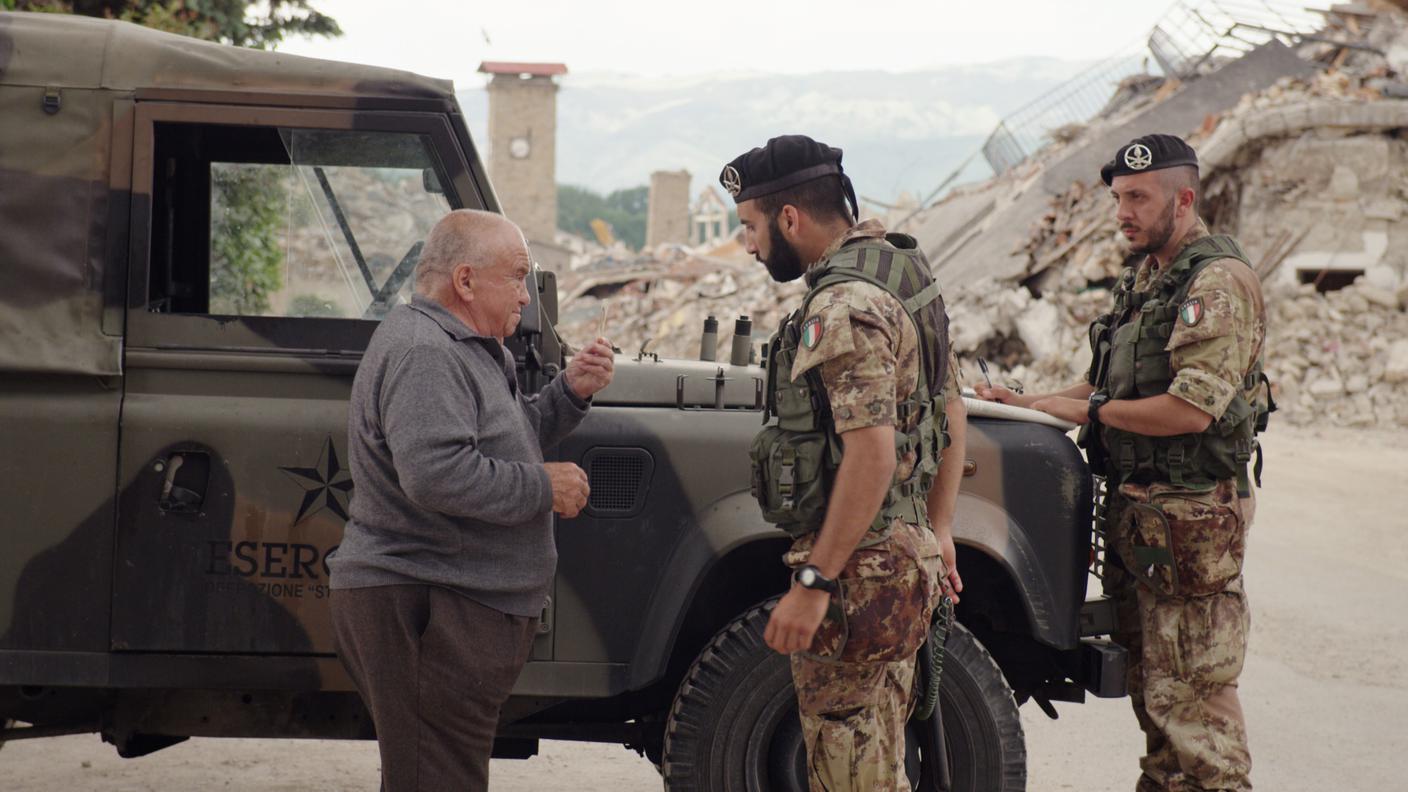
<point>1159,234</point>
<point>783,263</point>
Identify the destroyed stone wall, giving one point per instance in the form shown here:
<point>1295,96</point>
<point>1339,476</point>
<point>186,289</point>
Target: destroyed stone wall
<point>1338,359</point>
<point>1311,173</point>
<point>658,303</point>
<point>1325,193</point>
<point>1322,191</point>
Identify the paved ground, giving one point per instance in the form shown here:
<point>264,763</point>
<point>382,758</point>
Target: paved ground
<point>1324,690</point>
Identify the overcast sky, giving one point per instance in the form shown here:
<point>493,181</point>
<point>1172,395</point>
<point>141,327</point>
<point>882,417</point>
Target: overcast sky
<point>449,38</point>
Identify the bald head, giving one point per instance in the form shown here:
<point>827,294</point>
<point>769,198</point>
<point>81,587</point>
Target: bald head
<point>465,237</point>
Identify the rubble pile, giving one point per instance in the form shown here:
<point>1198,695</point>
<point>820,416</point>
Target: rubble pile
<point>1309,174</point>
<point>657,302</point>
<point>1339,358</point>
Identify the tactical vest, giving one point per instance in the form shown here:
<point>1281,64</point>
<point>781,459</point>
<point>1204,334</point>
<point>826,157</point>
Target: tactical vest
<point>1131,362</point>
<point>795,456</point>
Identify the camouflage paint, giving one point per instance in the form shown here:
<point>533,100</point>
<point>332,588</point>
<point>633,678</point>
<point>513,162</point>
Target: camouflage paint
<point>226,597</point>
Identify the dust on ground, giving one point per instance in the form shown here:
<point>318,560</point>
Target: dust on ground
<point>1324,689</point>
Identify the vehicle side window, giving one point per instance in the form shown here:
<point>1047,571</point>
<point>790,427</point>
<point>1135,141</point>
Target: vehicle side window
<point>288,222</point>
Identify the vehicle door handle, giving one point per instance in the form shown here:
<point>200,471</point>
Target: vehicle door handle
<point>187,475</point>
<point>545,621</point>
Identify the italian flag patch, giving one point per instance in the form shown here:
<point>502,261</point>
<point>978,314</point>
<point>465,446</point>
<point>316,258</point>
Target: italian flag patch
<point>1192,311</point>
<point>811,332</point>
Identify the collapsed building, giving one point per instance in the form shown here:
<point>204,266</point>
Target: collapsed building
<point>1304,157</point>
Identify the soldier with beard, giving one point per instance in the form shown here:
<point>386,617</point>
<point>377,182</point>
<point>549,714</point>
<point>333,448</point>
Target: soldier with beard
<point>863,388</point>
<point>1173,401</point>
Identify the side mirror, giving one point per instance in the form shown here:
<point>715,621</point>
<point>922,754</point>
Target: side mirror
<point>547,296</point>
<point>532,321</point>
<point>430,180</point>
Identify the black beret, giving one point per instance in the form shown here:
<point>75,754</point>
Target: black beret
<point>784,162</point>
<point>1151,152</point>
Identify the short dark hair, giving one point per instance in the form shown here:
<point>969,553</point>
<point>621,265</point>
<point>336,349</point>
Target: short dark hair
<point>1175,179</point>
<point>821,198</point>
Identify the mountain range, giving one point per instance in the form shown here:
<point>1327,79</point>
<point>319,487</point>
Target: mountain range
<point>902,132</point>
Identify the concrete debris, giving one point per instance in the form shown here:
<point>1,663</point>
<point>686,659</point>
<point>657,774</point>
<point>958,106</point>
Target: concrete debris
<point>1396,365</point>
<point>657,301</point>
<point>1307,173</point>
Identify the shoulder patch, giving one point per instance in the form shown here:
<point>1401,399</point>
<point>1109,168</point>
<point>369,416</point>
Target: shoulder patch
<point>1191,312</point>
<point>811,332</point>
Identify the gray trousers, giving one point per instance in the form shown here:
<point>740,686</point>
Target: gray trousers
<point>433,668</point>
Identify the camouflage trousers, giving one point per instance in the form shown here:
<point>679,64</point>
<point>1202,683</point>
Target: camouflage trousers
<point>1184,619</point>
<point>855,685</point>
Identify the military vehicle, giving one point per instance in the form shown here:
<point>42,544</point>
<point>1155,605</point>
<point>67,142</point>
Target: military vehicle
<point>196,242</point>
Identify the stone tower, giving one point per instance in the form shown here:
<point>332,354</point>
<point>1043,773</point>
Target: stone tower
<point>668,217</point>
<point>523,143</point>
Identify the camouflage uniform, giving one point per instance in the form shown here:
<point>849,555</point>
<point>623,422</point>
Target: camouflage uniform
<point>1186,624</point>
<point>854,685</point>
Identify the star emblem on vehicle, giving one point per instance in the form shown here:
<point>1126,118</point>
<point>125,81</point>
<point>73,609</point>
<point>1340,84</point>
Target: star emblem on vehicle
<point>326,486</point>
<point>1138,157</point>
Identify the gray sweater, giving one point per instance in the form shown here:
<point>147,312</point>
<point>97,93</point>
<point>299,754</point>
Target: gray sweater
<point>446,457</point>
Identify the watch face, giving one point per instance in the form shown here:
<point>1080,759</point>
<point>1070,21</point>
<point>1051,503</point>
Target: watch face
<point>807,577</point>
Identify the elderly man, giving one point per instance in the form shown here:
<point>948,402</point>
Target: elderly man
<point>447,558</point>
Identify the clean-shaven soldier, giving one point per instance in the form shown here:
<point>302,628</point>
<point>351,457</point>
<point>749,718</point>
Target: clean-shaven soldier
<point>446,561</point>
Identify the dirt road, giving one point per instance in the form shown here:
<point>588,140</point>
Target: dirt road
<point>1324,689</point>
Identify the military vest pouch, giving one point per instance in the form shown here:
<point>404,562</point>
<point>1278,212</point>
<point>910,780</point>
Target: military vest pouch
<point>1100,347</point>
<point>790,478</point>
<point>1182,542</point>
<point>1148,554</point>
<point>1119,380</point>
<point>795,457</point>
<point>1132,361</point>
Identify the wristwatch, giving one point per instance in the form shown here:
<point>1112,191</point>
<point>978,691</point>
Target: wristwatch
<point>810,577</point>
<point>1097,400</point>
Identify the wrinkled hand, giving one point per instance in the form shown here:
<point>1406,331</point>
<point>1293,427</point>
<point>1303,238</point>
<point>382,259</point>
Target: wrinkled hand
<point>795,620</point>
<point>591,368</point>
<point>951,582</point>
<point>1073,410</point>
<point>569,488</point>
<point>995,393</point>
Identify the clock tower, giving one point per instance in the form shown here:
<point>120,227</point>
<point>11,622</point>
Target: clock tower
<point>523,146</point>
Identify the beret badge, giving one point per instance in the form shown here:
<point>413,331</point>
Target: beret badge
<point>1138,157</point>
<point>732,181</point>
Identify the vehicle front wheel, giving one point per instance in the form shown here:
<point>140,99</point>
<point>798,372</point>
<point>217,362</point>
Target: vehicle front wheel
<point>734,727</point>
